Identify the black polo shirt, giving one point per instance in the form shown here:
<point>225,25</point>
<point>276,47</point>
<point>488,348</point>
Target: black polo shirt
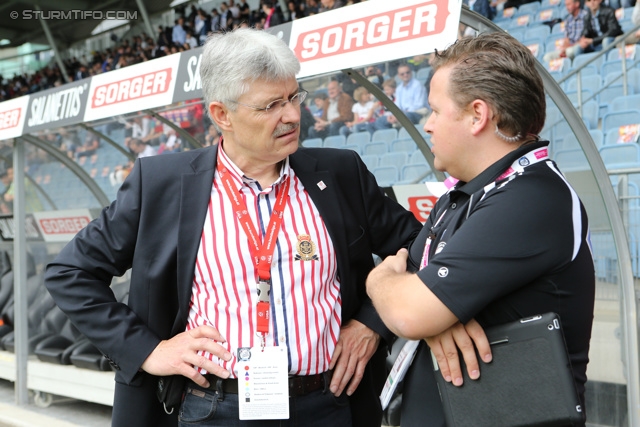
<point>504,248</point>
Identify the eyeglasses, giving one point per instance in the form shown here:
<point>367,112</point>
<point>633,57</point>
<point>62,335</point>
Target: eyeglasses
<point>405,73</point>
<point>277,105</point>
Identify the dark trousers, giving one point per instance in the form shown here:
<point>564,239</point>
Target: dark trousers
<point>212,407</point>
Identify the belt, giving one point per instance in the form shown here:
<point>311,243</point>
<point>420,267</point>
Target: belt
<point>298,385</point>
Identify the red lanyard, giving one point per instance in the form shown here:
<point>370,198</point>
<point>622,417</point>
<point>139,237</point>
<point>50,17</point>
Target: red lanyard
<point>261,251</point>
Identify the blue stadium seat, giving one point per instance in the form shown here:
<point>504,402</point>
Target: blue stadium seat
<point>540,31</point>
<point>591,113</point>
<point>371,160</point>
<point>409,174</point>
<point>377,148</point>
<point>386,135</point>
<point>548,14</point>
<point>518,33</point>
<point>417,158</point>
<point>360,138</point>
<point>397,159</point>
<point>597,136</point>
<point>571,160</point>
<point>620,155</point>
<point>335,141</point>
<point>586,57</point>
<point>312,142</point>
<point>628,102</point>
<point>633,79</point>
<point>616,119</point>
<point>385,175</point>
<point>528,8</point>
<point>536,46</point>
<point>592,82</point>
<point>406,145</point>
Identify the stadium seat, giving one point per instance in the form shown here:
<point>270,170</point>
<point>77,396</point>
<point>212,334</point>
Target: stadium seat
<point>518,33</point>
<point>312,142</point>
<point>571,160</point>
<point>585,58</point>
<point>385,175</point>
<point>335,141</point>
<point>371,160</point>
<point>539,31</point>
<point>547,14</point>
<point>417,158</point>
<point>360,138</point>
<point>406,145</point>
<point>611,66</point>
<point>386,135</point>
<point>377,148</point>
<point>620,155</point>
<point>397,159</point>
<point>591,113</point>
<point>592,82</point>
<point>528,8</point>
<point>619,118</point>
<point>628,102</point>
<point>409,174</point>
<point>633,79</point>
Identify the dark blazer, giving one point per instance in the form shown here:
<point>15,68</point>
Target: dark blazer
<point>609,25</point>
<point>154,228</point>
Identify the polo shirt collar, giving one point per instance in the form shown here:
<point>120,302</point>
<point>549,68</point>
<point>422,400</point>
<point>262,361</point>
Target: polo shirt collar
<point>495,170</point>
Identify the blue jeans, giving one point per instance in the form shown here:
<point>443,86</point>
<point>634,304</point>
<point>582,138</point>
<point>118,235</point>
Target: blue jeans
<point>212,407</point>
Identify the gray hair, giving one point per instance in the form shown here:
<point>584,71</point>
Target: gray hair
<point>231,61</point>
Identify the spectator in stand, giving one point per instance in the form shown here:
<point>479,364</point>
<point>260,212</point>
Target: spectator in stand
<point>245,11</point>
<point>179,34</point>
<point>380,112</point>
<point>311,7</point>
<point>601,27</point>
<point>225,14</point>
<point>191,41</point>
<point>330,5</point>
<point>318,99</point>
<point>212,136</point>
<point>215,20</point>
<point>362,110</point>
<point>141,149</point>
<point>336,111</point>
<point>411,98</point>
<point>635,18</point>
<point>374,75</point>
<point>235,12</point>
<point>88,147</point>
<point>573,30</point>
<point>272,15</point>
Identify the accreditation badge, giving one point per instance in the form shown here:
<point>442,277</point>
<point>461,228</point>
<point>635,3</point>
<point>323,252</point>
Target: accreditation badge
<point>306,249</point>
<point>263,383</point>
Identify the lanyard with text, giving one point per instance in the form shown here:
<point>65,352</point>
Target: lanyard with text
<point>261,251</point>
<point>516,168</point>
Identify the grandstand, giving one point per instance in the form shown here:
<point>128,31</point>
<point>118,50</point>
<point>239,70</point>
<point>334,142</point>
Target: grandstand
<point>602,88</point>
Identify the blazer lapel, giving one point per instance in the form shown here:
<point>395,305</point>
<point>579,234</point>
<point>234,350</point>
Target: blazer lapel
<point>323,190</point>
<point>194,200</point>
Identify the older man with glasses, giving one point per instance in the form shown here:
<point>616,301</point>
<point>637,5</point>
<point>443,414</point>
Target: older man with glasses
<point>247,302</point>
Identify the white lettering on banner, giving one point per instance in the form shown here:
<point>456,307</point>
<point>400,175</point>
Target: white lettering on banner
<point>133,88</point>
<point>70,225</point>
<point>56,106</point>
<point>394,26</point>
<point>10,118</point>
<point>193,69</point>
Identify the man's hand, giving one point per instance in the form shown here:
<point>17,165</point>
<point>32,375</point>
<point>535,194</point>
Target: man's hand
<point>585,42</point>
<point>445,348</point>
<point>179,355</point>
<point>356,345</point>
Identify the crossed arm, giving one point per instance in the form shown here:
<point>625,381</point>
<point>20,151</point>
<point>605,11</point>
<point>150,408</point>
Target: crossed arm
<point>411,310</point>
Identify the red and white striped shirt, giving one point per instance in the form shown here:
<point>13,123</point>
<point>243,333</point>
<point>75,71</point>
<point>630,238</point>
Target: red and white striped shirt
<point>305,294</point>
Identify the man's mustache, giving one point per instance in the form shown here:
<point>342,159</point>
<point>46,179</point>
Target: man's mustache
<point>285,129</point>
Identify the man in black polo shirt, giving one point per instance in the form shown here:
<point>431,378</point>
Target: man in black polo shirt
<point>509,240</point>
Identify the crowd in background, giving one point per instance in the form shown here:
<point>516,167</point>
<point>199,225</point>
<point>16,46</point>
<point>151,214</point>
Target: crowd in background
<point>190,30</point>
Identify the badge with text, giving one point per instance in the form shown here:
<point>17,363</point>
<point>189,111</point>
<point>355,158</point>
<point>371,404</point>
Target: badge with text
<point>263,383</point>
<point>306,249</point>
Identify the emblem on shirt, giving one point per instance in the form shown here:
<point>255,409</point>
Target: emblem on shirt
<point>440,247</point>
<point>244,354</point>
<point>306,248</point>
<point>523,161</point>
